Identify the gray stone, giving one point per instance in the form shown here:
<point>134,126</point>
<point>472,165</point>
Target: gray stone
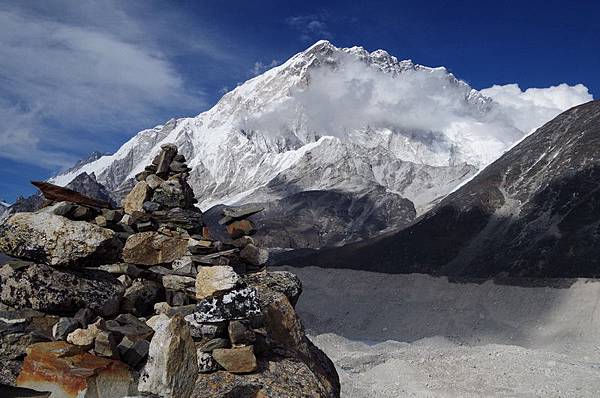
<point>63,327</point>
<point>112,216</point>
<point>151,206</point>
<point>154,181</point>
<point>57,241</point>
<point>255,255</point>
<point>145,226</point>
<point>140,297</point>
<point>170,194</point>
<point>177,299</point>
<point>125,280</point>
<point>100,221</point>
<point>179,283</point>
<point>207,331</point>
<point>84,316</point>
<point>166,156</point>
<point>62,208</point>
<point>46,289</point>
<point>240,334</point>
<point>106,344</point>
<point>172,365</point>
<point>133,353</point>
<point>129,326</point>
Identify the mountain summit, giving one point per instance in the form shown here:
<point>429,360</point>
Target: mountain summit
<point>329,119</point>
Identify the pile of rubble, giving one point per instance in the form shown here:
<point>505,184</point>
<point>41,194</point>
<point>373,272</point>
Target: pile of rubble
<point>141,300</point>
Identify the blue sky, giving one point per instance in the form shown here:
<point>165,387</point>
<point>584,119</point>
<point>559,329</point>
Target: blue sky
<point>78,76</point>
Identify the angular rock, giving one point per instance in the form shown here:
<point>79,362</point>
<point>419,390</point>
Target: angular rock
<point>237,304</point>
<point>239,228</point>
<point>57,241</point>
<point>61,208</point>
<point>166,156</point>
<point>184,266</point>
<point>155,321</point>
<point>112,216</point>
<point>243,241</point>
<point>173,193</point>
<point>152,248</point>
<point>58,194</point>
<point>84,316</point>
<point>68,372</point>
<point>130,327</point>
<point>133,353</point>
<point>255,255</point>
<point>85,337</point>
<point>63,327</point>
<point>100,221</point>
<point>277,377</point>
<point>106,344</point>
<point>214,280</point>
<point>49,290</point>
<point>236,359</point>
<point>154,181</point>
<point>269,283</point>
<point>140,297</point>
<point>177,299</point>
<point>151,207</point>
<point>172,365</point>
<point>125,280</point>
<point>134,201</point>
<point>206,362</point>
<point>82,213</point>
<point>178,282</point>
<point>240,334</point>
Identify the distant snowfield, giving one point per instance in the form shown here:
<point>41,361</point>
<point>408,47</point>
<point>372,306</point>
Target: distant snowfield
<point>419,336</point>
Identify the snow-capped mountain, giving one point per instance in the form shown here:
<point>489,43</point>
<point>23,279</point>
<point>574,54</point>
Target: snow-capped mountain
<point>533,212</point>
<point>329,118</point>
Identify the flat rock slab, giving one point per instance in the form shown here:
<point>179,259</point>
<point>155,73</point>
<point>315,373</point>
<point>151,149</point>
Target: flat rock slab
<point>47,289</point>
<point>60,194</point>
<point>67,371</point>
<point>152,248</point>
<point>47,238</point>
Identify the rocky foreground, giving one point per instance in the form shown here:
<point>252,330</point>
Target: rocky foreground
<point>143,301</point>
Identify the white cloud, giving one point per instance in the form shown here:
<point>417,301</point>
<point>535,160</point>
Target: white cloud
<point>260,67</point>
<point>426,106</point>
<point>58,75</point>
<point>533,107</point>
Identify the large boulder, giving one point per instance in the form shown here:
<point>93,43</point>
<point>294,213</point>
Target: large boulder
<point>47,289</point>
<point>277,377</point>
<point>215,279</point>
<point>43,237</point>
<point>152,248</point>
<point>172,364</point>
<point>68,371</point>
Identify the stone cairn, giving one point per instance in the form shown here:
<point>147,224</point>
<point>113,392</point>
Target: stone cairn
<point>140,294</point>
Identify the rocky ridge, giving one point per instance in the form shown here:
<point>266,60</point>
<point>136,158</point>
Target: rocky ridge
<point>531,213</point>
<point>142,300</point>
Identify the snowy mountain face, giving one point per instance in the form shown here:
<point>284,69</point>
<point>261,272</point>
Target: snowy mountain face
<point>533,212</point>
<point>344,120</point>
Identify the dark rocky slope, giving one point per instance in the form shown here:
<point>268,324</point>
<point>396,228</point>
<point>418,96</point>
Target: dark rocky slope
<point>534,212</point>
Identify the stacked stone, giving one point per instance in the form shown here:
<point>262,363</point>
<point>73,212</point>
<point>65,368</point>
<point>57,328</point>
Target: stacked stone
<point>138,289</point>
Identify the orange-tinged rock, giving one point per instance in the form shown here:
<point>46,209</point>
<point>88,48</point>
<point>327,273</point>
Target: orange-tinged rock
<point>239,228</point>
<point>68,371</point>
